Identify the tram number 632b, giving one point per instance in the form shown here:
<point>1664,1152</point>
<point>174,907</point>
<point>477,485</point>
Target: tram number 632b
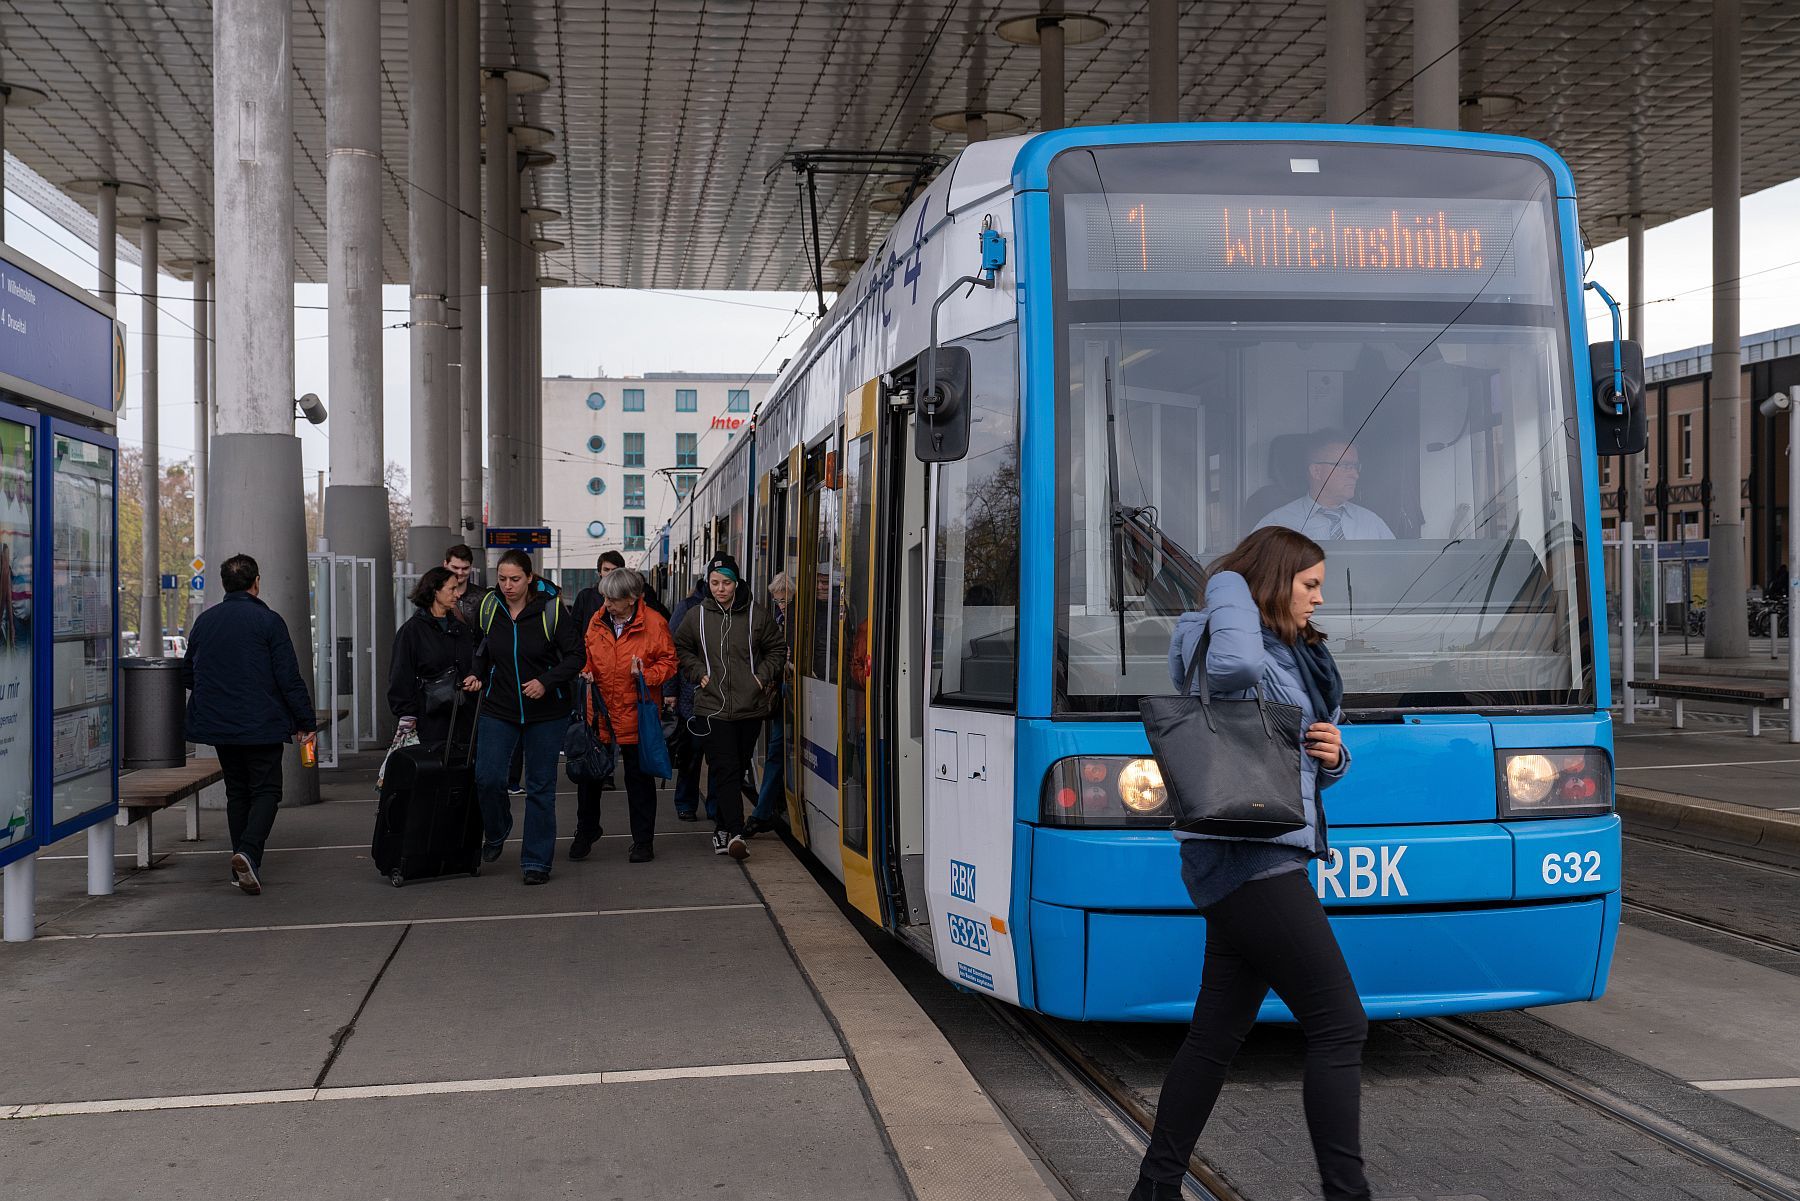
<point>1574,867</point>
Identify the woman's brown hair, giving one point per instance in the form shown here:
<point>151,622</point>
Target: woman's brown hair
<point>1269,559</point>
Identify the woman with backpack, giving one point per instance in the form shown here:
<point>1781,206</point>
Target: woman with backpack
<point>1265,928</point>
<point>733,652</point>
<point>530,652</point>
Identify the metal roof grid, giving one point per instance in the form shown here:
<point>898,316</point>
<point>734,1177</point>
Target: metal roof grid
<point>669,112</point>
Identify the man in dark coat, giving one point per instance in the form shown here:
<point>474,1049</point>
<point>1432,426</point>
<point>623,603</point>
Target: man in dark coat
<point>248,698</point>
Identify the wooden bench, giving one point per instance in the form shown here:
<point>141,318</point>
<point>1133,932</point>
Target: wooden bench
<point>142,793</point>
<point>1757,695</point>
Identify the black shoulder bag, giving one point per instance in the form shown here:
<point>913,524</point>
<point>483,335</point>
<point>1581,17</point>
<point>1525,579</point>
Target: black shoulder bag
<point>589,761</point>
<point>1231,768</point>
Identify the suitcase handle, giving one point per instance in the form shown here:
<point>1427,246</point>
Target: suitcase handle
<point>456,708</point>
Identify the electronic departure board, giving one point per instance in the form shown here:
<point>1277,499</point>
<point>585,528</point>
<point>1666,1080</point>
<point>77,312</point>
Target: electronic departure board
<point>524,538</point>
<point>1199,244</point>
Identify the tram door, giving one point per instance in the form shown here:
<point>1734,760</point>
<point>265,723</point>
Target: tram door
<point>814,701</point>
<point>786,549</point>
<point>858,639</point>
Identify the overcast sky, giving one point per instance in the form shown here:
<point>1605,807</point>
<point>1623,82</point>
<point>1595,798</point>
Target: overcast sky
<point>587,330</point>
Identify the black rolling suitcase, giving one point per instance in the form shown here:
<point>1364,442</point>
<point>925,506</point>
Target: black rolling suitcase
<point>428,820</point>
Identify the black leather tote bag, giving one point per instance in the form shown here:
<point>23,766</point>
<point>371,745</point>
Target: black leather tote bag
<point>1232,768</point>
<point>586,759</point>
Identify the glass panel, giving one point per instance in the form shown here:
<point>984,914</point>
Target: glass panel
<point>739,401</point>
<point>687,450</point>
<point>821,523</point>
<point>634,533</point>
<point>82,573</point>
<point>859,499</point>
<point>634,492</point>
<point>16,581</point>
<point>977,555</point>
<point>1398,390</point>
<point>686,400</point>
<point>633,399</point>
<point>634,450</point>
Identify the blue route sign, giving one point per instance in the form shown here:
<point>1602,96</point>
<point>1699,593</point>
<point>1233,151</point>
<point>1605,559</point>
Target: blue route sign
<point>170,583</point>
<point>198,583</point>
<point>54,345</point>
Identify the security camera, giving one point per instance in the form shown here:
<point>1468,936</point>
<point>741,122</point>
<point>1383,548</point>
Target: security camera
<point>312,408</point>
<point>1781,402</point>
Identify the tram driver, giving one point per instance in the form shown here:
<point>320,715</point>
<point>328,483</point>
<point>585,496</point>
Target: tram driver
<point>1326,513</point>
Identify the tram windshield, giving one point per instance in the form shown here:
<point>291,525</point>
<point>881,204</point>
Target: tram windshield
<point>1368,344</point>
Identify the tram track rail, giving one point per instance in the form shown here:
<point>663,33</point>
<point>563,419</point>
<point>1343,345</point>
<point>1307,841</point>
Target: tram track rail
<point>1712,925</point>
<point>1718,1158</point>
<point>1112,1097</point>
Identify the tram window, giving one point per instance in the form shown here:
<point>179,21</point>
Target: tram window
<point>974,645</point>
<point>820,528</point>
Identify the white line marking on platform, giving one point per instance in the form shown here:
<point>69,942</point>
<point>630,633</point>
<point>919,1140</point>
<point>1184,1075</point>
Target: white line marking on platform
<point>431,1088</point>
<point>399,921</point>
<point>1732,1086</point>
<point>1730,763</point>
<point>348,846</point>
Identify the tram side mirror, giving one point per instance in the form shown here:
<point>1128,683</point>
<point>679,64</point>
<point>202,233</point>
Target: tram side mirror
<point>941,428</point>
<point>1619,418</point>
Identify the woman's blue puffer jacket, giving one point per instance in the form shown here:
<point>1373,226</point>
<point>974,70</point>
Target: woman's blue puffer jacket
<point>1239,658</point>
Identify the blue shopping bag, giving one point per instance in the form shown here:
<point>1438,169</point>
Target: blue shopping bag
<point>652,748</point>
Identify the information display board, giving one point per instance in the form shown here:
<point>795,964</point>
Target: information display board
<point>518,538</point>
<point>84,571</point>
<point>17,536</point>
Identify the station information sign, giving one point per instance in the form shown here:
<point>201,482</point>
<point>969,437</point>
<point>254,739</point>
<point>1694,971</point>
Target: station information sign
<point>518,538</point>
<point>54,346</point>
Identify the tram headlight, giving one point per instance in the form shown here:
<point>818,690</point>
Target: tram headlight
<point>1105,791</point>
<point>1560,782</point>
<point>1141,786</point>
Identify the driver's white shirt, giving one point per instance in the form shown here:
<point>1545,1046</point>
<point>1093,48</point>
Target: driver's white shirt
<point>1308,517</point>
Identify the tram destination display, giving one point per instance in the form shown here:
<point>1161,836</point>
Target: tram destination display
<point>1218,244</point>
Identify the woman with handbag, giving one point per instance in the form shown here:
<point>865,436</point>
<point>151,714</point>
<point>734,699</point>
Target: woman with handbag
<point>1265,928</point>
<point>630,656</point>
<point>434,658</point>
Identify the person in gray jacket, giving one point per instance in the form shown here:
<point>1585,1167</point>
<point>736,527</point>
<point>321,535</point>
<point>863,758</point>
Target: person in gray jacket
<point>734,653</point>
<point>1265,927</point>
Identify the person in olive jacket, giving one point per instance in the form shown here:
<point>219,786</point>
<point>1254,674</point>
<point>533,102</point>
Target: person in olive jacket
<point>248,699</point>
<point>734,653</point>
<point>529,653</point>
<point>436,646</point>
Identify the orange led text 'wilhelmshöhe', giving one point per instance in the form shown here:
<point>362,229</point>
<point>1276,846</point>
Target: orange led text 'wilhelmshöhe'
<point>1268,237</point>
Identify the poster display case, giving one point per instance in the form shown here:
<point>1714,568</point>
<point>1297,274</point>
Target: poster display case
<point>19,823</point>
<point>82,679</point>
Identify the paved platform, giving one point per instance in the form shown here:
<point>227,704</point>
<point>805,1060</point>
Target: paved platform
<point>659,1030</point>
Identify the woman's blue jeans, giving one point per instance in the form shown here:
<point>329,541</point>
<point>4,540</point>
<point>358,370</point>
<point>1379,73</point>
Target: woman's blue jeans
<point>542,741</point>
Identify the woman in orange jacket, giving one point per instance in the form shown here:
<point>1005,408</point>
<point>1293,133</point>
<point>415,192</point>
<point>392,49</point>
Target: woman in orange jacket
<point>624,640</point>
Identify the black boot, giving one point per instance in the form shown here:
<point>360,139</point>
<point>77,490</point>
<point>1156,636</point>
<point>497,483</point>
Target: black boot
<point>1149,1190</point>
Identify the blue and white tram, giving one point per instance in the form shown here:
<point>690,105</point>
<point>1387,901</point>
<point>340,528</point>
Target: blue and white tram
<point>1182,311</point>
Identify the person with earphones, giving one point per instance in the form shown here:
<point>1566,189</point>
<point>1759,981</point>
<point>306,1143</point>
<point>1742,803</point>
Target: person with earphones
<point>733,652</point>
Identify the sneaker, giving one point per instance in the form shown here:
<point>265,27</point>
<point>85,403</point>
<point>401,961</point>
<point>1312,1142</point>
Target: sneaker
<point>582,845</point>
<point>537,876</point>
<point>641,852</point>
<point>243,874</point>
<point>737,848</point>
<point>721,841</point>
<point>490,851</point>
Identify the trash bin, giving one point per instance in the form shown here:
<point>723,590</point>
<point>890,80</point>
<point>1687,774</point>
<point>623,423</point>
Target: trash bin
<point>152,712</point>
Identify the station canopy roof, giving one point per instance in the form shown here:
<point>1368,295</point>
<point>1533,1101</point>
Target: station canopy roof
<point>668,115</point>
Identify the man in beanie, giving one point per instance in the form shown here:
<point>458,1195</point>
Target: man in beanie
<point>733,653</point>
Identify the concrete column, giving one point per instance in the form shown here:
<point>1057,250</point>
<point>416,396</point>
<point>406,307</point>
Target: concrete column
<point>976,127</point>
<point>1165,60</point>
<point>1436,102</point>
<point>427,132</point>
<point>150,589</point>
<point>524,276</point>
<point>108,248</point>
<point>1346,60</point>
<point>518,258</point>
<point>256,466</point>
<point>356,502</point>
<point>1727,622</point>
<point>497,230</point>
<point>1050,73</point>
<point>453,289</point>
<point>534,395</point>
<point>468,15</point>
<point>202,423</point>
<point>100,838</point>
<point>1634,316</point>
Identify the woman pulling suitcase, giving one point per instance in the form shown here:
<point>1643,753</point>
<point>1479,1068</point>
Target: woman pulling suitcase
<point>434,657</point>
